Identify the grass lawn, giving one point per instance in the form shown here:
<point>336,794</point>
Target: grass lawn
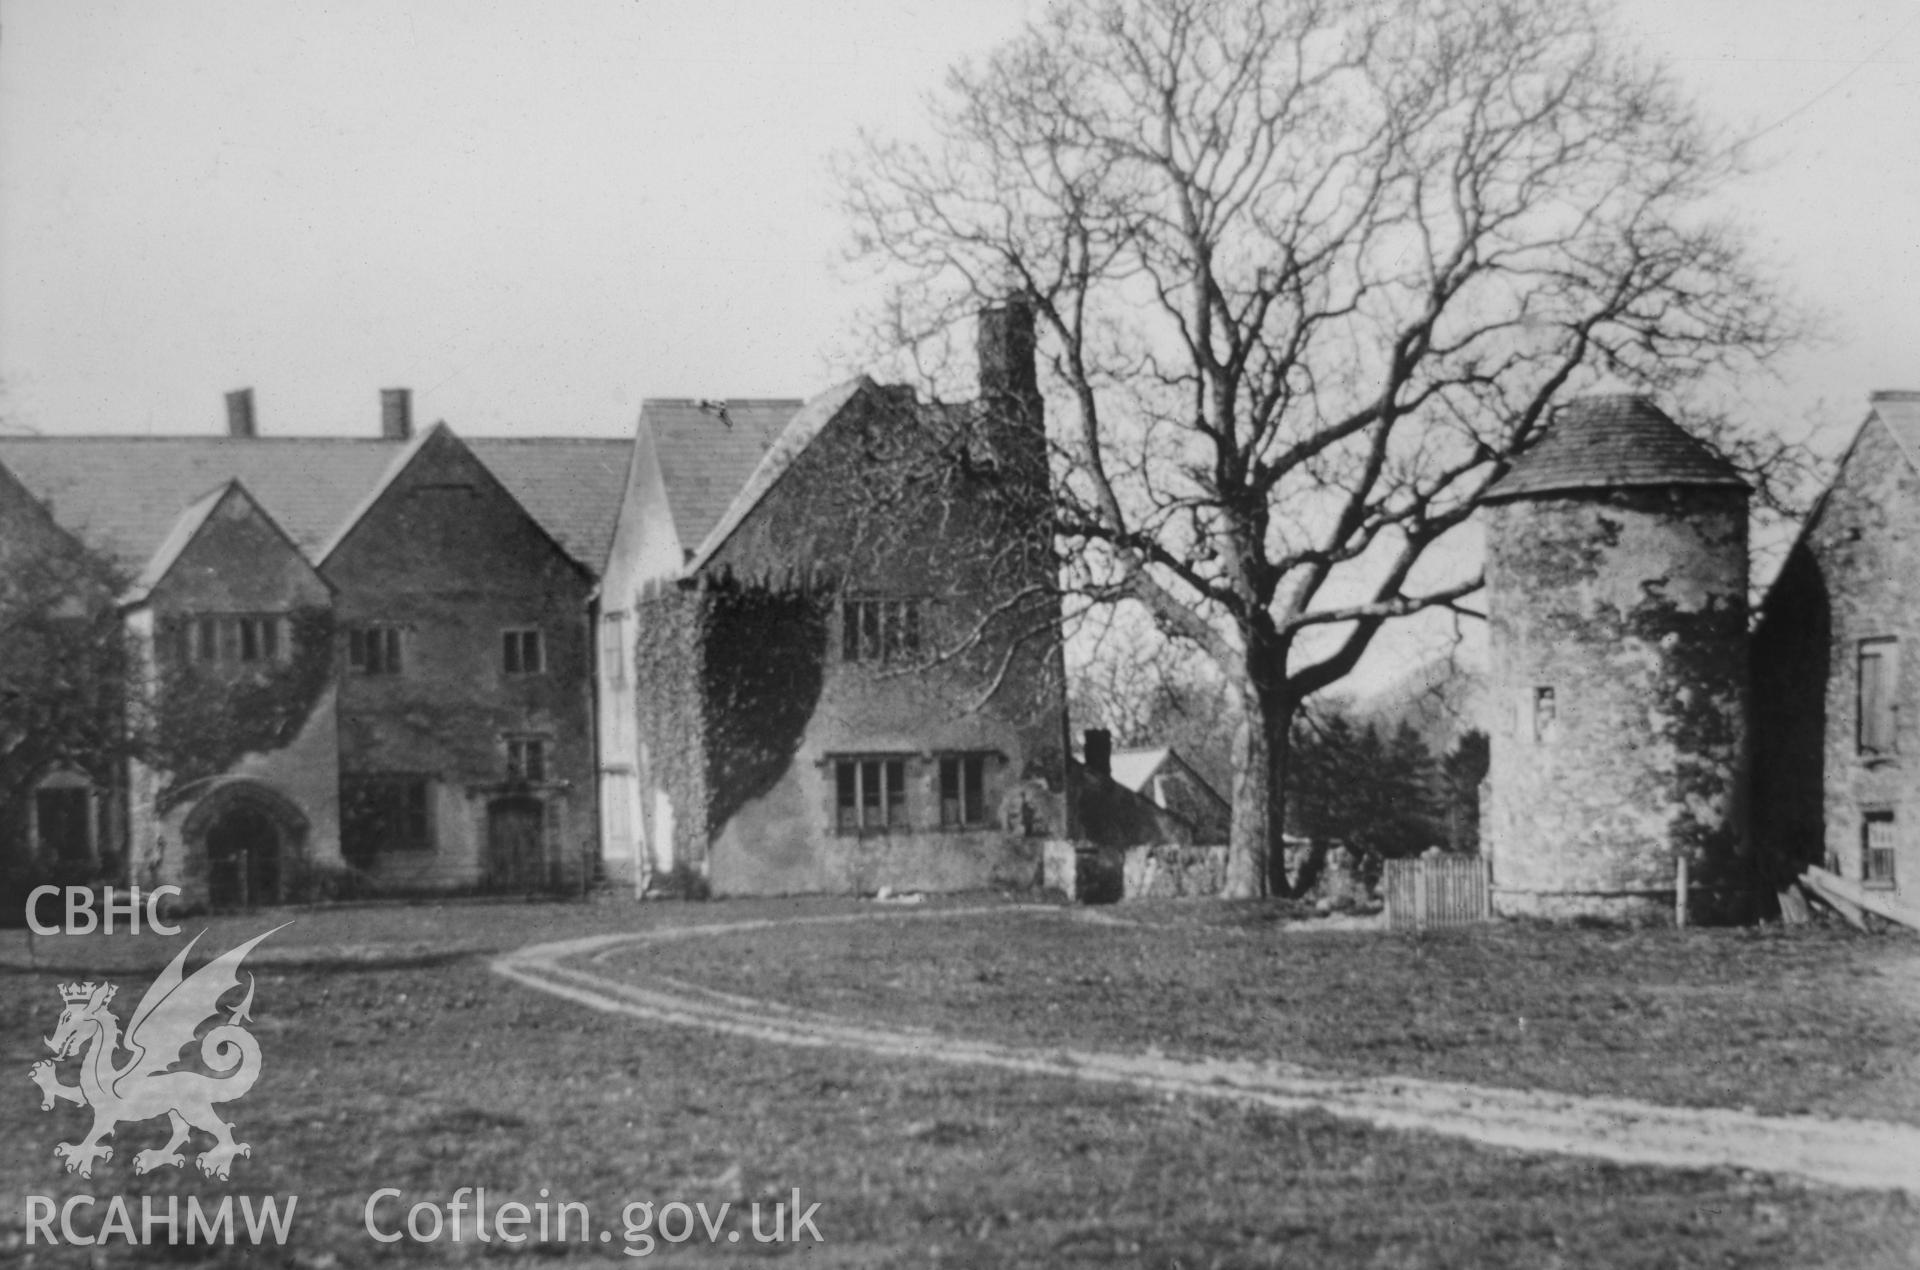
<point>1784,1021</point>
<point>435,1074</point>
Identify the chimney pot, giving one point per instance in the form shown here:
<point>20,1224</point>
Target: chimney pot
<point>396,414</point>
<point>1099,752</point>
<point>240,420</point>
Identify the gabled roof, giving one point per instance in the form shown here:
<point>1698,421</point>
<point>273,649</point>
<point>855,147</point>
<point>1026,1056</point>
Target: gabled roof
<point>124,494</point>
<point>187,528</point>
<point>571,485</point>
<point>1134,768</point>
<point>182,533</point>
<point>374,492</point>
<point>1900,412</point>
<point>708,450</point>
<point>805,425</point>
<point>1613,441</point>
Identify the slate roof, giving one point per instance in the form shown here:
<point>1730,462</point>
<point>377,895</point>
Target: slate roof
<point>572,485</point>
<point>183,532</point>
<point>708,451</point>
<point>397,463</point>
<point>1900,412</point>
<point>125,494</point>
<point>802,426</point>
<point>1613,441</point>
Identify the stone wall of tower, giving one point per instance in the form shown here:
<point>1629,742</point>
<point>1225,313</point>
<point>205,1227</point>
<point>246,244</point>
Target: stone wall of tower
<point>1619,711</point>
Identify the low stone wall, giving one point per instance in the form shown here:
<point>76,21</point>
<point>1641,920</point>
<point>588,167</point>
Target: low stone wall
<point>1172,871</point>
<point>1100,875</point>
<point>1339,881</point>
<point>1058,871</point>
<point>1081,872</point>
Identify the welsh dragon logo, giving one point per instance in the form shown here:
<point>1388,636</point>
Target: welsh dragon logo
<point>144,1086</point>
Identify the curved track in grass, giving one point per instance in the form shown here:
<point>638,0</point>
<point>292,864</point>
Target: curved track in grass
<point>1857,1154</point>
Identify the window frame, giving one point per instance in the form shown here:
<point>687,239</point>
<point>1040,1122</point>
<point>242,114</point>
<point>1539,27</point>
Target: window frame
<point>203,640</point>
<point>1877,729</point>
<point>1879,853</point>
<point>967,808</point>
<point>362,638</point>
<point>235,639</point>
<point>515,643</point>
<point>414,814</point>
<point>520,746</point>
<point>882,630</point>
<point>870,794</point>
<point>1546,714</point>
<point>613,649</point>
<point>261,632</point>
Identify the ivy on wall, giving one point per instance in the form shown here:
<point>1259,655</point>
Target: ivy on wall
<point>671,714</point>
<point>765,665</point>
<point>208,715</point>
<point>729,675</point>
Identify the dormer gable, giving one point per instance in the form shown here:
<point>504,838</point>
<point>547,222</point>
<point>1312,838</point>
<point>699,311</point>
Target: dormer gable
<point>437,501</point>
<point>226,553</point>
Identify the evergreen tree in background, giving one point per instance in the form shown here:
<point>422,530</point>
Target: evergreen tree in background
<point>1461,774</point>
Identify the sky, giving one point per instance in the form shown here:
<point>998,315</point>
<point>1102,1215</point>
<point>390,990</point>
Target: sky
<point>536,214</point>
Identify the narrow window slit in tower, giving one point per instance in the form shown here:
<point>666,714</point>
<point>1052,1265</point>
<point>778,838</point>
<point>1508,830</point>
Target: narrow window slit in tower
<point>1546,717</point>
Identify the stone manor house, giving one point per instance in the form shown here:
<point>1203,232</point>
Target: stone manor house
<point>784,646</point>
<point>733,653</point>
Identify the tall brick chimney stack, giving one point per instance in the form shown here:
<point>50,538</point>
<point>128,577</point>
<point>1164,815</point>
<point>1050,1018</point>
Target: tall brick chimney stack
<point>1098,748</point>
<point>240,421</point>
<point>1006,350</point>
<point>396,414</point>
<point>1010,405</point>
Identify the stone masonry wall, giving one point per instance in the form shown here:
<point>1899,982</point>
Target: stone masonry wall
<point>875,507</point>
<point>238,563</point>
<point>1630,608</point>
<point>669,670</point>
<point>447,555</point>
<point>1864,549</point>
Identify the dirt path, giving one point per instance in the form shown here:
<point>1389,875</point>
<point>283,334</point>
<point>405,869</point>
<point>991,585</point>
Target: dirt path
<point>1861,1154</point>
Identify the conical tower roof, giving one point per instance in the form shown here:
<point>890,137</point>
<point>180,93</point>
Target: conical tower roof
<point>1613,441</point>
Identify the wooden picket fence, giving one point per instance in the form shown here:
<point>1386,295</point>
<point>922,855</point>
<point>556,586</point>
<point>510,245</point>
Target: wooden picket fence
<point>1439,890</point>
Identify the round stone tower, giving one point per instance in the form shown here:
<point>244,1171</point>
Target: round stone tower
<point>1617,598</point>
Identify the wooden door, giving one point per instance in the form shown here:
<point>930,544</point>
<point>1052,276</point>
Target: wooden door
<point>243,860</point>
<point>516,854</point>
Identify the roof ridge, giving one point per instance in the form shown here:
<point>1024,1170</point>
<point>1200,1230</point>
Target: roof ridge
<point>399,463</point>
<point>122,438</point>
<point>542,440</point>
<point>695,401</point>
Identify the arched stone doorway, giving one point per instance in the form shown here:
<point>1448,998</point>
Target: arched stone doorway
<point>250,837</point>
<point>243,859</point>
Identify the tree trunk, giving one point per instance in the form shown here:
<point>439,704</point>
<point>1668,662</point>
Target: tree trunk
<point>1256,856</point>
<point>1249,841</point>
<point>1278,881</point>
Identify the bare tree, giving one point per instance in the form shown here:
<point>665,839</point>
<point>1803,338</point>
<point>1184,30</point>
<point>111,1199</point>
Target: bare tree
<point>1309,274</point>
<point>1150,691</point>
